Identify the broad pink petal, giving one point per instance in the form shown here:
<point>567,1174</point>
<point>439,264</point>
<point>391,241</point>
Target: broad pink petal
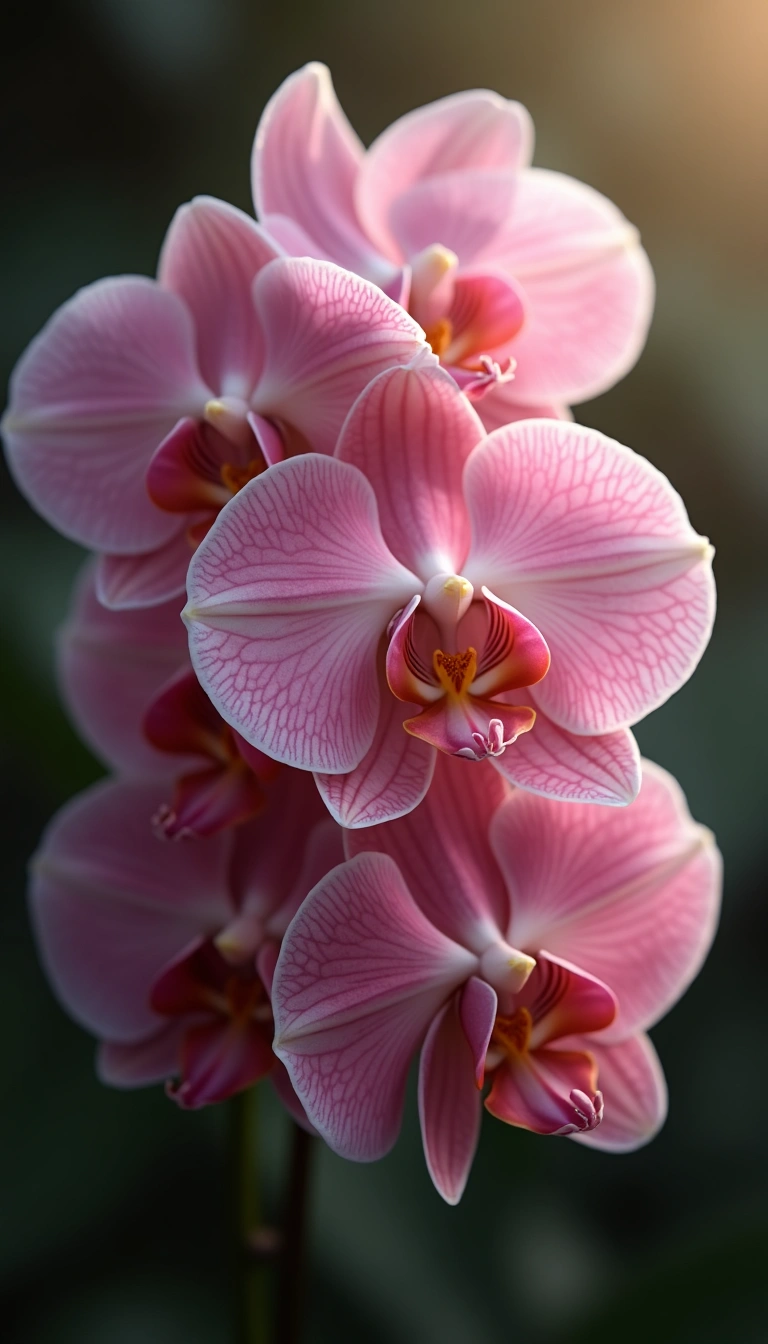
<point>130,582</point>
<point>328,334</point>
<point>466,212</point>
<point>410,433</point>
<point>558,764</point>
<point>499,406</point>
<point>392,777</point>
<point>486,313</point>
<point>219,1059</point>
<point>153,1059</point>
<point>465,132</point>
<point>630,894</point>
<point>631,1080</point>
<point>289,595</point>
<point>305,162</point>
<point>593,544</point>
<point>449,1103</point>
<point>587,287</point>
<point>443,853</point>
<point>110,667</point>
<point>534,1091</point>
<point>111,905</point>
<point>361,975</point>
<point>477,1010</point>
<point>91,398</point>
<point>278,1077</point>
<point>563,1000</point>
<point>210,256</point>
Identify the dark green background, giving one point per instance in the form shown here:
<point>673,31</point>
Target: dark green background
<point>113,1217</point>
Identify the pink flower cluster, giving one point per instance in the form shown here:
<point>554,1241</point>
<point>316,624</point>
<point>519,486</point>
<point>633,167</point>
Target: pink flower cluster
<point>378,795</point>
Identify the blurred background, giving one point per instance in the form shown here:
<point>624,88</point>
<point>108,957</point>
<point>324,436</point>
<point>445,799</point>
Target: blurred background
<point>113,1205</point>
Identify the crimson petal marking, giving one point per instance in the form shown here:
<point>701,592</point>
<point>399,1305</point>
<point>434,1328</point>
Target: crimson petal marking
<point>486,314</point>
<point>563,1000</point>
<point>534,1090</point>
<point>449,1104</point>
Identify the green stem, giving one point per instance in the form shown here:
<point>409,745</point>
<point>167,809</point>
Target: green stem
<point>251,1259</point>
<point>291,1277</point>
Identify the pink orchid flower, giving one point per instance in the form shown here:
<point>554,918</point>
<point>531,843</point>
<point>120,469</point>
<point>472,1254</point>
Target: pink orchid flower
<point>166,952</point>
<point>420,579</point>
<point>126,679</point>
<point>143,405</point>
<point>531,954</point>
<point>533,288</point>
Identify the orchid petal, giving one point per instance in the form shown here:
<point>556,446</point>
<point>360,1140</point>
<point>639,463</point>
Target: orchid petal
<point>499,407</point>
<point>305,162</point>
<point>558,764</point>
<point>563,1000</point>
<point>392,778</point>
<point>443,853</point>
<point>464,727</point>
<point>465,212</point>
<point>111,905</point>
<point>153,1059</point>
<point>630,895</point>
<point>534,1090</point>
<point>110,667</point>
<point>410,432</point>
<point>477,1010</point>
<point>632,1082</point>
<point>467,131</point>
<point>92,397</point>
<point>210,256</point>
<point>487,311</point>
<point>289,594</point>
<point>278,1077</point>
<point>219,1059</point>
<point>360,977</point>
<point>449,1103</point>
<point>594,545</point>
<point>133,582</point>
<point>587,286</point>
<point>328,334</point>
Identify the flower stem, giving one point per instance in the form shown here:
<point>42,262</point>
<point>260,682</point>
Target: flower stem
<point>251,1258</point>
<point>293,1250</point>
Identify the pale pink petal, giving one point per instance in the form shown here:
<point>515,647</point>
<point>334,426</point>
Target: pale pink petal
<point>153,1059</point>
<point>289,595</point>
<point>210,256</point>
<point>592,543</point>
<point>631,1080</point>
<point>127,582</point>
<point>449,1103</point>
<point>392,777</point>
<point>443,853</point>
<point>361,975</point>
<point>558,764</point>
<point>110,667</point>
<point>305,162</point>
<point>499,406</point>
<point>465,132</point>
<point>328,334</point>
<point>465,212</point>
<point>278,1077</point>
<point>410,433</point>
<point>477,1010</point>
<point>112,904</point>
<point>219,1059</point>
<point>587,287</point>
<point>91,398</point>
<point>533,1091</point>
<point>630,895</point>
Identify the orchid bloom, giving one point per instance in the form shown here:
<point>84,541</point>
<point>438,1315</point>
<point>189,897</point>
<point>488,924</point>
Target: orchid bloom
<point>533,288</point>
<point>143,406</point>
<point>126,679</point>
<point>419,581</point>
<point>166,952</point>
<point>530,954</point>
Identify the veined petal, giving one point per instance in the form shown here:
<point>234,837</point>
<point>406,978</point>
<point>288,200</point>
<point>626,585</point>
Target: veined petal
<point>629,894</point>
<point>411,432</point>
<point>305,162</point>
<point>443,853</point>
<point>631,1080</point>
<point>558,764</point>
<point>210,256</point>
<point>564,1001</point>
<point>91,398</point>
<point>361,975</point>
<point>533,1091</point>
<point>392,777</point>
<point>328,333</point>
<point>449,1103</point>
<point>594,545</point>
<point>289,594</point>
<point>112,904</point>
<point>587,286</point>
<point>465,132</point>
<point>110,668</point>
<point>154,578</point>
<point>464,211</point>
